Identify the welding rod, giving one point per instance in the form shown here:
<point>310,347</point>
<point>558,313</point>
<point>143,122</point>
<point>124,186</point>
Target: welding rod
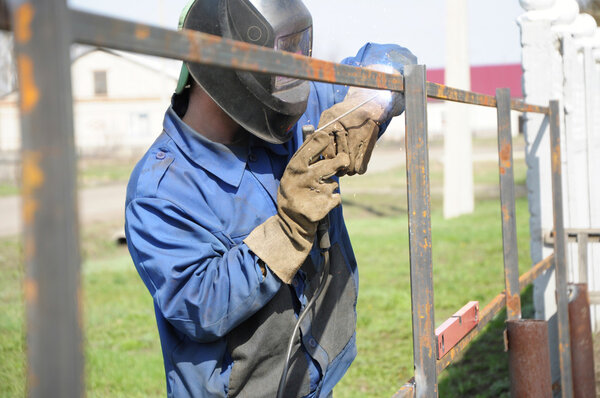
<point>347,113</point>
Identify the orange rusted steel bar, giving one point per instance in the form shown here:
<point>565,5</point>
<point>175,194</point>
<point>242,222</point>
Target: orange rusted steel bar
<point>456,327</point>
<point>439,91</point>
<point>199,47</point>
<point>221,52</point>
<point>491,310</point>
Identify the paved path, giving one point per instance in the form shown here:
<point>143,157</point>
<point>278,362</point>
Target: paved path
<point>96,204</point>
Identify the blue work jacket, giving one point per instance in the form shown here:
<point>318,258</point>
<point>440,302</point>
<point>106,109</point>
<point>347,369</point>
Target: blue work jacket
<point>190,204</point>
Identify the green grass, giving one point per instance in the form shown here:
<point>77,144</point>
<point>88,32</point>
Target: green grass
<point>467,255</point>
<point>123,357</point>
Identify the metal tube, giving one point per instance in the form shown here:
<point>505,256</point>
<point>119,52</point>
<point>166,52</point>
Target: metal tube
<point>582,346</point>
<point>419,226</point>
<point>50,220</point>
<point>507,203</point>
<point>560,255</point>
<point>439,91</point>
<point>529,359</point>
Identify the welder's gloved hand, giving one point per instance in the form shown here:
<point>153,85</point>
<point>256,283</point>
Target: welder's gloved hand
<point>307,193</point>
<point>356,133</point>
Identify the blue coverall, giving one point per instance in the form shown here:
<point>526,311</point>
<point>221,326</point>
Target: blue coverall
<point>222,323</point>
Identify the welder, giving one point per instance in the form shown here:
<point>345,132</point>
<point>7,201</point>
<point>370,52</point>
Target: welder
<point>222,212</point>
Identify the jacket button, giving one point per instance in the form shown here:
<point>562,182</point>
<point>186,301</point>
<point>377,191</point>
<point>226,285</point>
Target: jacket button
<point>160,155</point>
<point>313,343</point>
<point>252,157</point>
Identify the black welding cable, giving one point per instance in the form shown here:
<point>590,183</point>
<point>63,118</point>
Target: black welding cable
<point>324,244</point>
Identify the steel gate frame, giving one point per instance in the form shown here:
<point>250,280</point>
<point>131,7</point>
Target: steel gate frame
<point>44,31</point>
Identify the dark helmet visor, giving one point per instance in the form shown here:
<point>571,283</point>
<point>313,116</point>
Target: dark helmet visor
<point>297,43</point>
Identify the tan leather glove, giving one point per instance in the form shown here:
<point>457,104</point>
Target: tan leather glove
<point>306,195</point>
<point>356,133</point>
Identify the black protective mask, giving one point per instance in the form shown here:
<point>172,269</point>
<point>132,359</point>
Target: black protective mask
<point>265,105</point>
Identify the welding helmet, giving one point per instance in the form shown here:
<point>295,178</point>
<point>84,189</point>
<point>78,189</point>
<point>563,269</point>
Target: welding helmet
<point>265,105</point>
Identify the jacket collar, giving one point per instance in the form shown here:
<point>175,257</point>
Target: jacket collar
<point>225,162</point>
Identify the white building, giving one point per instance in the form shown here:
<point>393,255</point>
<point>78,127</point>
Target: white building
<point>119,102</point>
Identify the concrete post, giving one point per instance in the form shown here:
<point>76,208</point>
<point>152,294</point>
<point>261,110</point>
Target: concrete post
<point>458,152</point>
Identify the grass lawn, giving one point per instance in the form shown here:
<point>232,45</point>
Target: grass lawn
<point>122,346</point>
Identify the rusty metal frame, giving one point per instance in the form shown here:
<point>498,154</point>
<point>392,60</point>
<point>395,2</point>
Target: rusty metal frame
<point>44,30</point>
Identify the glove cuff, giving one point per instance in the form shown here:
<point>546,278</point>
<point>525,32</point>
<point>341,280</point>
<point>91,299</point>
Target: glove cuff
<point>283,249</point>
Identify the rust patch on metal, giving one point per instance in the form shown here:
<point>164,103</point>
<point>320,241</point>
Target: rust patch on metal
<point>513,303</point>
<point>194,51</point>
<point>23,18</point>
<point>30,288</point>
<point>556,159</point>
<point>505,152</point>
<point>142,32</point>
<point>30,95</point>
<point>505,213</point>
<point>33,179</point>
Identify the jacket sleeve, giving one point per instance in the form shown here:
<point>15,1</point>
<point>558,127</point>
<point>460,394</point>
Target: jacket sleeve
<point>201,282</point>
<point>325,95</point>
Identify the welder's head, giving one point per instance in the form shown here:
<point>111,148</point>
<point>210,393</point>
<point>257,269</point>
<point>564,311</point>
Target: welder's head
<point>267,106</point>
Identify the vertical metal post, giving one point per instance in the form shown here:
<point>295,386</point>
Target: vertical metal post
<point>582,251</point>
<point>419,226</point>
<point>507,202</point>
<point>560,255</point>
<point>51,243</point>
<point>582,343</point>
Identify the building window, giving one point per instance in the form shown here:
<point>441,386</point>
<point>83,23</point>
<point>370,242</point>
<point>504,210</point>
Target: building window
<point>100,86</point>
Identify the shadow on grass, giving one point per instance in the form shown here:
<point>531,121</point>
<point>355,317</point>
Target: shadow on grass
<point>483,370</point>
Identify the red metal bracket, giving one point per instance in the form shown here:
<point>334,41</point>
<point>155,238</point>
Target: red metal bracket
<point>456,327</point>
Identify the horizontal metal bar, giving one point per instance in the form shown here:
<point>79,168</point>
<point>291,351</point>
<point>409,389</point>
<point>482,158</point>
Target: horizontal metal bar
<point>439,91</point>
<point>593,236</point>
<point>207,49</point>
<point>491,310</point>
<point>584,231</point>
<point>199,47</point>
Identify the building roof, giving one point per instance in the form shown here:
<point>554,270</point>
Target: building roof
<point>485,79</point>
